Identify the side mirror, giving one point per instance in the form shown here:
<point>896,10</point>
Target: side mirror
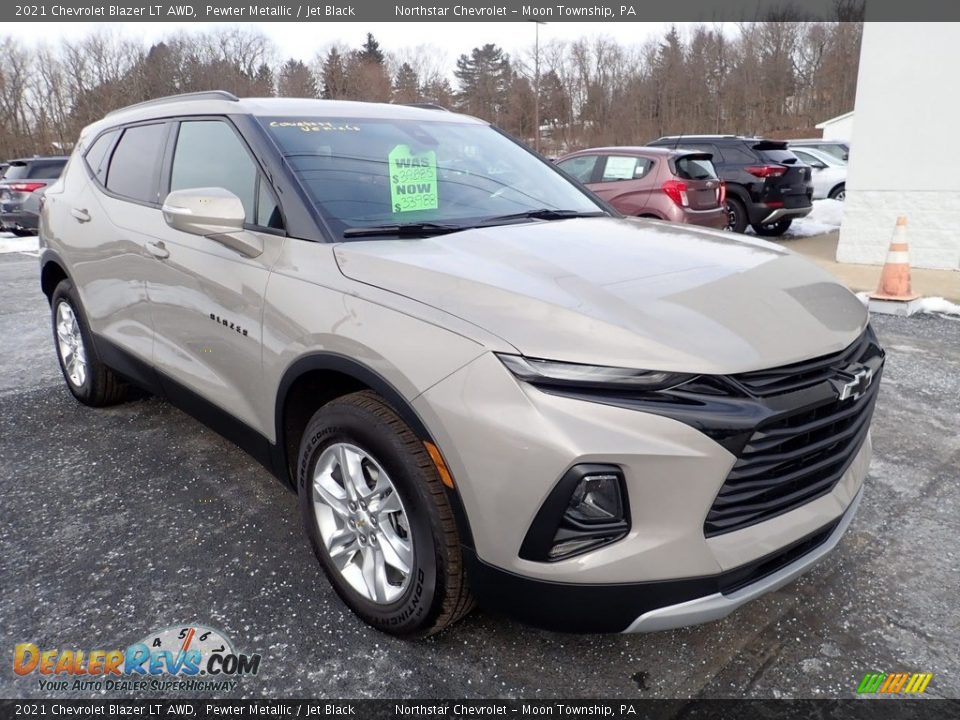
<point>213,213</point>
<point>818,165</point>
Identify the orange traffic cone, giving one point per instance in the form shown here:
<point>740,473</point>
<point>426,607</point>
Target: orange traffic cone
<point>895,277</point>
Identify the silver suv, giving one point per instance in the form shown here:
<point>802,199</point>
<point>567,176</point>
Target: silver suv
<point>482,382</point>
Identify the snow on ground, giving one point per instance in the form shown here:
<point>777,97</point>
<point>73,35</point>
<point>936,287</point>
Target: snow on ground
<point>939,305</point>
<point>825,217</point>
<point>10,243</point>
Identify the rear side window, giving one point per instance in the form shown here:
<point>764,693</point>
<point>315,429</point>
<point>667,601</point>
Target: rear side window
<point>580,167</point>
<point>98,157</point>
<point>16,171</point>
<point>736,155</point>
<point>135,163</point>
<point>623,167</point>
<point>694,168</point>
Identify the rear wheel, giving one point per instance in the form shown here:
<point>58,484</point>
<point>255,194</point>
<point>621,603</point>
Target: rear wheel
<point>90,381</point>
<point>773,229</point>
<point>377,516</point>
<point>839,193</point>
<point>736,215</point>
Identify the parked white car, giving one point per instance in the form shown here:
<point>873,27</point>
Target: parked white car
<point>829,176</point>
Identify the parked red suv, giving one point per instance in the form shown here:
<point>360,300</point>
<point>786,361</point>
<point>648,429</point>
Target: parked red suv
<point>676,185</point>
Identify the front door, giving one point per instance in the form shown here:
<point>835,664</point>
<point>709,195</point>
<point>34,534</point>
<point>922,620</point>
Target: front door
<point>207,299</point>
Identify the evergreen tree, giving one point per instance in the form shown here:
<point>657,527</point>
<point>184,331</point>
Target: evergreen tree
<point>371,52</point>
<point>296,80</point>
<point>484,77</point>
<point>406,86</point>
<point>334,75</point>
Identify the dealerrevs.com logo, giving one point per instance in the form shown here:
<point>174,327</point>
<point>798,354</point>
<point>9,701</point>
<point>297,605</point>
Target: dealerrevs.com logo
<point>191,658</point>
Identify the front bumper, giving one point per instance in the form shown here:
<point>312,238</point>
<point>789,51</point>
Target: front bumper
<point>720,604</point>
<point>651,606</point>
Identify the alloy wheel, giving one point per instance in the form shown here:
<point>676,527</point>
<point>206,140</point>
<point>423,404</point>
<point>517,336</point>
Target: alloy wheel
<point>70,344</point>
<point>362,523</point>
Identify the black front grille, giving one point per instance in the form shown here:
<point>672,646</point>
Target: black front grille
<point>801,452</point>
<point>788,378</point>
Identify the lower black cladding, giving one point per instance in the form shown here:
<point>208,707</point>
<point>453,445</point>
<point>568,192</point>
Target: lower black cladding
<point>613,607</point>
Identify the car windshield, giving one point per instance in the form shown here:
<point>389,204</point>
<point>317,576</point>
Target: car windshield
<point>366,174</point>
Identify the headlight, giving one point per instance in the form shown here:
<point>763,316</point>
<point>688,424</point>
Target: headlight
<point>550,372</point>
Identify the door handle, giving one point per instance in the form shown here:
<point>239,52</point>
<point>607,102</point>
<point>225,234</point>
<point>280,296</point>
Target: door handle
<point>158,249</point>
<point>81,215</point>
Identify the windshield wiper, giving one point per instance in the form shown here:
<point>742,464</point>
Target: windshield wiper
<point>411,229</point>
<point>541,214</point>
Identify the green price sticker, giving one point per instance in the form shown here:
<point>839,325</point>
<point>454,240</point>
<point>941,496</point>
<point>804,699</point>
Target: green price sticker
<point>413,180</point>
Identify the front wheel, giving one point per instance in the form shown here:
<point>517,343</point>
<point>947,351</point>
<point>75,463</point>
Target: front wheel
<point>839,193</point>
<point>773,229</point>
<point>377,516</point>
<point>90,381</point>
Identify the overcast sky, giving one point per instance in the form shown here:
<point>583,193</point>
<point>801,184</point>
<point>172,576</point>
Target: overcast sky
<point>303,40</point>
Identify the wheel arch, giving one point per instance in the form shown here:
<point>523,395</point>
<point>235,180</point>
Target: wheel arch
<point>52,272</point>
<point>314,380</point>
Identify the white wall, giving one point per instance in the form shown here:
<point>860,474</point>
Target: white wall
<point>902,162</point>
<point>839,130</point>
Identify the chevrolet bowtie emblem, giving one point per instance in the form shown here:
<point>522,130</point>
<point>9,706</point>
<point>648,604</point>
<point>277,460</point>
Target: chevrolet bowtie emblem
<point>855,381</point>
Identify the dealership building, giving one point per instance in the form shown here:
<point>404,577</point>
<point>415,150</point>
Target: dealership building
<point>901,160</point>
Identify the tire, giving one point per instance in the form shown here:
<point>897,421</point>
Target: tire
<point>839,192</point>
<point>773,229</point>
<point>92,382</point>
<point>20,232</point>
<point>433,593</point>
<point>736,215</point>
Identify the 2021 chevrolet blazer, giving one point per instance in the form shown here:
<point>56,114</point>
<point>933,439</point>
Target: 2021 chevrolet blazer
<point>482,382</point>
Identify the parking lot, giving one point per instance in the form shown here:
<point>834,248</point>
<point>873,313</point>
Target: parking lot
<point>121,521</point>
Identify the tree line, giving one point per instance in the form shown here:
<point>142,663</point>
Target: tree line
<point>777,78</point>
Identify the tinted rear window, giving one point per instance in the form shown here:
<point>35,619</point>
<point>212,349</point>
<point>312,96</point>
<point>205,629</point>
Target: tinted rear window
<point>784,157</point>
<point>694,168</point>
<point>46,169</point>
<point>134,166</point>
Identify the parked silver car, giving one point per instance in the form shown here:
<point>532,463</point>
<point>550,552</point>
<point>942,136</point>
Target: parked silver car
<point>481,382</point>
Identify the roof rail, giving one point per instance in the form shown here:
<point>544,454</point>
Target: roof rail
<point>202,95</point>
<point>426,106</point>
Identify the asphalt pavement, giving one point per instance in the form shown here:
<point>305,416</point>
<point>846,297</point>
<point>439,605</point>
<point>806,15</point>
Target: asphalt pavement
<point>117,522</point>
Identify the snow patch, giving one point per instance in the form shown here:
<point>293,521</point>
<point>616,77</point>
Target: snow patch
<point>826,217</point>
<point>939,305</point>
<point>12,244</point>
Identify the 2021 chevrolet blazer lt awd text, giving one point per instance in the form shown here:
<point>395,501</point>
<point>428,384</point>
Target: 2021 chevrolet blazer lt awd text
<point>482,382</point>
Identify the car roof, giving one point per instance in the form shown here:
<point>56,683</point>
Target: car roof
<point>671,138</point>
<point>219,102</point>
<point>819,141</point>
<point>37,158</point>
<point>641,149</point>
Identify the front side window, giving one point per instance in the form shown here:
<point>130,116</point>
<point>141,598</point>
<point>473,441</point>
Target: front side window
<point>580,167</point>
<point>362,173</point>
<point>134,166</point>
<point>210,154</point>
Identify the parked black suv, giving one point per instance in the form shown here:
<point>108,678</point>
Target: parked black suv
<point>767,185</point>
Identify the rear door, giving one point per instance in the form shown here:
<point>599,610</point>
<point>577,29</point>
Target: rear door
<point>700,176</point>
<point>104,222</point>
<point>207,299</point>
<point>625,181</point>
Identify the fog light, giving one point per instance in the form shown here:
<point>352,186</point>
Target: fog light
<point>586,510</point>
<point>596,499</point>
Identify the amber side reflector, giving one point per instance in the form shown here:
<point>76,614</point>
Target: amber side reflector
<point>445,477</point>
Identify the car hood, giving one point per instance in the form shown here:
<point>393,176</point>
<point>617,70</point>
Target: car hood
<point>622,292</point>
